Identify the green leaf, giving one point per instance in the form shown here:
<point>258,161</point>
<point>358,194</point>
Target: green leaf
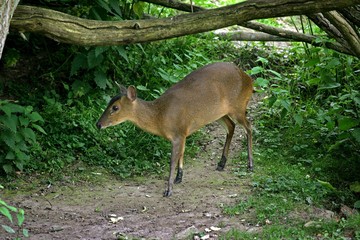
<point>115,5</point>
<point>24,121</point>
<point>100,79</point>
<point>10,122</point>
<point>355,187</point>
<point>329,86</point>
<point>8,138</point>
<point>28,109</point>
<point>28,134</point>
<point>298,119</point>
<point>10,155</point>
<point>5,211</point>
<point>142,88</point>
<point>25,232</point>
<point>8,168</point>
<point>356,134</point>
<point>22,157</point>
<point>39,128</point>
<point>261,82</point>
<point>122,52</point>
<point>138,8</point>
<point>94,60</point>
<point>346,123</point>
<point>8,229</point>
<point>10,108</point>
<point>35,117</point>
<point>104,5</point>
<point>312,62</point>
<point>326,185</point>
<point>100,50</point>
<point>357,204</point>
<point>19,165</point>
<point>333,63</point>
<point>256,70</point>
<point>78,62</point>
<point>313,81</point>
<point>20,216</point>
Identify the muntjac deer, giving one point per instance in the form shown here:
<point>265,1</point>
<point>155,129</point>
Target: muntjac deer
<point>216,92</point>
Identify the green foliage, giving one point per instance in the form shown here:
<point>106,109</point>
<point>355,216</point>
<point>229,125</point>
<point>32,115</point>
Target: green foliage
<point>14,227</point>
<point>18,125</point>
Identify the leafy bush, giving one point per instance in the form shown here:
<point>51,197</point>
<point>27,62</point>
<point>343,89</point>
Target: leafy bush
<point>18,125</point>
<point>6,212</point>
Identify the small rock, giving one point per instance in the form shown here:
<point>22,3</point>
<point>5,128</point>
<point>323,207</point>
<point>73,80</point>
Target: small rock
<point>215,229</point>
<point>207,236</point>
<point>312,224</point>
<point>185,234</point>
<point>115,219</point>
<point>56,228</point>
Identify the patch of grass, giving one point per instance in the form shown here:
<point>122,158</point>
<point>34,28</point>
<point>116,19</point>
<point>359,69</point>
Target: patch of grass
<point>286,195</point>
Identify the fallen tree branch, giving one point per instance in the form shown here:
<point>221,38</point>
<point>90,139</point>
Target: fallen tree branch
<point>346,30</point>
<point>69,29</point>
<point>279,34</point>
<point>295,36</point>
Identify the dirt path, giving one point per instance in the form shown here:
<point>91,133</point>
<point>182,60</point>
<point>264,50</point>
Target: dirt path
<point>138,207</point>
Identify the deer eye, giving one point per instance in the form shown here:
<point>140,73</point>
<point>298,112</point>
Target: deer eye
<point>115,108</point>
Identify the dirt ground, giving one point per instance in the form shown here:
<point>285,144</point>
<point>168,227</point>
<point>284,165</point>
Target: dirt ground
<point>131,209</point>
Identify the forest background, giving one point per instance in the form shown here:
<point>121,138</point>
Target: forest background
<point>305,116</point>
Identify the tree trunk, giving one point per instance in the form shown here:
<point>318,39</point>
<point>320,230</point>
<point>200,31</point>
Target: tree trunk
<point>7,9</point>
<point>65,28</point>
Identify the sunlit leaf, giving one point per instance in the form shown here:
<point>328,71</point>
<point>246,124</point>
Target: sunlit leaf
<point>326,185</point>
<point>355,187</point>
<point>20,216</point>
<point>261,82</point>
<point>5,211</point>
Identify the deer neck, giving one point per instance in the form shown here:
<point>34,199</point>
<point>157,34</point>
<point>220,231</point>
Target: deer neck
<point>146,116</point>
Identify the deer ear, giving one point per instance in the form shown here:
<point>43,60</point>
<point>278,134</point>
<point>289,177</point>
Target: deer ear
<point>122,89</point>
<point>131,93</point>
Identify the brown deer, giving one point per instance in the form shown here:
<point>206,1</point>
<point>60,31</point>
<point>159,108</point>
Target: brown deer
<point>216,92</point>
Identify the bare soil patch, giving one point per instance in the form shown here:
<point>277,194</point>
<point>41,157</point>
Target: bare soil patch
<point>137,208</point>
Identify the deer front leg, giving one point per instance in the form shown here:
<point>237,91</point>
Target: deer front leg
<point>177,153</point>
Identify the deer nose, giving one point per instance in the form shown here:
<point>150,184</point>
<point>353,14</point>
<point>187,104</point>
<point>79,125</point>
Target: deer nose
<point>98,125</point>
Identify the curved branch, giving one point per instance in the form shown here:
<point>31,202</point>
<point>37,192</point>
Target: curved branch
<point>295,36</point>
<point>65,28</point>
<point>348,33</point>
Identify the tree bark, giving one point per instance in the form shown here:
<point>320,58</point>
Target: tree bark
<point>7,9</point>
<point>278,34</point>
<point>68,29</point>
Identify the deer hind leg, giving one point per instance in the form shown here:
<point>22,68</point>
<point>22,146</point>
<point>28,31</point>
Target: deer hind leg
<point>179,174</point>
<point>241,119</point>
<point>229,125</point>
